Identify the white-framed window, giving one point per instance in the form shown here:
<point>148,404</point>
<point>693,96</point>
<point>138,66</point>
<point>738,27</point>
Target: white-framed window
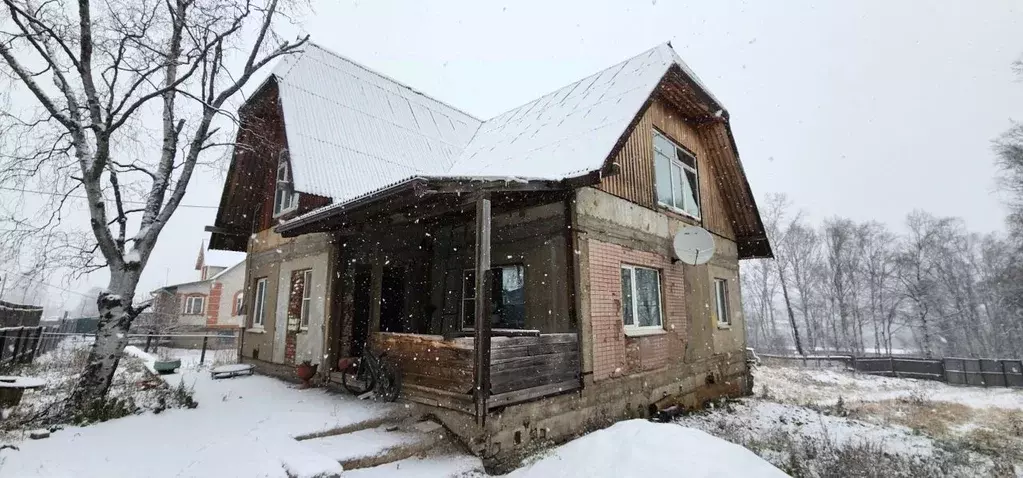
<point>307,297</point>
<point>507,297</point>
<point>239,304</point>
<point>676,177</point>
<point>721,302</point>
<point>285,198</point>
<point>259,303</point>
<point>641,297</point>
<point>193,305</point>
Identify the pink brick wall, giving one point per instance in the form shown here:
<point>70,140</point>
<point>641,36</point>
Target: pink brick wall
<point>213,307</point>
<point>615,354</point>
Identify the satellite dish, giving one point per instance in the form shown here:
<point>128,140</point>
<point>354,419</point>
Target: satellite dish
<point>693,245</point>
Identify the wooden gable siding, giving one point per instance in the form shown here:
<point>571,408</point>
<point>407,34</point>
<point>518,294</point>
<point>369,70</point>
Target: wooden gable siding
<point>248,198</point>
<point>635,178</point>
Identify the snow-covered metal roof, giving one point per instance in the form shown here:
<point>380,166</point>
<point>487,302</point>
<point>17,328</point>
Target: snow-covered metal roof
<point>352,131</point>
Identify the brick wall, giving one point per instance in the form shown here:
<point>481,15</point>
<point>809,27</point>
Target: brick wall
<point>213,307</point>
<point>614,353</point>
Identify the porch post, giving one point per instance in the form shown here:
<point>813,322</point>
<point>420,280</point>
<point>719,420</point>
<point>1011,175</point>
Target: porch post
<point>481,365</point>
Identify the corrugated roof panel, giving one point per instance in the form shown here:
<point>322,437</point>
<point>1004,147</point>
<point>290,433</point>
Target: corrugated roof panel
<point>352,131</point>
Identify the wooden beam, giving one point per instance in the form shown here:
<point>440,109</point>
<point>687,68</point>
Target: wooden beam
<point>481,364</point>
<point>225,231</point>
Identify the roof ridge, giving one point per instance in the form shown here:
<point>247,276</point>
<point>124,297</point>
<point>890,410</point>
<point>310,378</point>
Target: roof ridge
<point>538,98</point>
<point>392,80</point>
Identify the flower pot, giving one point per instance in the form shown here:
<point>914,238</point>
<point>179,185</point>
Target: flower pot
<point>306,371</point>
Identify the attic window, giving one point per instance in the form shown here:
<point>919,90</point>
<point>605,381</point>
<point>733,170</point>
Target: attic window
<point>678,186</point>
<point>285,198</point>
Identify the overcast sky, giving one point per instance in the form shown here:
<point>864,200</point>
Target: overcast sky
<point>866,110</point>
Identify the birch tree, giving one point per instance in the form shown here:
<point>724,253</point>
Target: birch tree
<point>129,96</point>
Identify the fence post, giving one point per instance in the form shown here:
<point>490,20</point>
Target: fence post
<point>149,340</point>
<point>1005,377</point>
<point>852,359</point>
<point>202,356</point>
<point>39,338</point>
<point>18,347</point>
<point>891,361</point>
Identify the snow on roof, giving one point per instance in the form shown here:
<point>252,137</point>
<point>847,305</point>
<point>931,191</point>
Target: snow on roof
<point>217,258</point>
<point>352,131</point>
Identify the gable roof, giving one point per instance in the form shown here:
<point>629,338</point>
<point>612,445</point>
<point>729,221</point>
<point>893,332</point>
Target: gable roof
<point>353,133</point>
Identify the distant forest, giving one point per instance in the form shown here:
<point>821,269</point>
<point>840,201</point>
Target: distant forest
<point>936,289</point>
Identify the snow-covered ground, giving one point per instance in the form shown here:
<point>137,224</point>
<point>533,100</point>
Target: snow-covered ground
<point>639,448</point>
<point>805,422</point>
<point>824,387</point>
<point>814,423</point>
<point>241,428</point>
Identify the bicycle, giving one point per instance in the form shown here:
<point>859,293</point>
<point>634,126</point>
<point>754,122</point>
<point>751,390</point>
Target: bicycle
<point>371,373</point>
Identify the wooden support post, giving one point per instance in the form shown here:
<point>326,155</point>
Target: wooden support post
<point>240,342</point>
<point>202,355</point>
<point>149,341</point>
<point>481,365</point>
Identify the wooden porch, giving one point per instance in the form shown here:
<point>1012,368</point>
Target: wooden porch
<point>439,372</point>
<point>468,288</point>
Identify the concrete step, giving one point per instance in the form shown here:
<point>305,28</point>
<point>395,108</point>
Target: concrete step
<point>387,443</point>
<point>383,420</point>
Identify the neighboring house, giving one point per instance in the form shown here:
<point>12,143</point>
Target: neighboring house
<point>214,302</point>
<point>360,202</point>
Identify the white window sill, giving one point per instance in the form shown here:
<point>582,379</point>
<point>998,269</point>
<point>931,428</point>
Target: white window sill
<point>642,332</point>
<point>256,330</point>
<point>286,211</point>
<point>303,330</point>
<point>678,211</point>
<point>724,326</point>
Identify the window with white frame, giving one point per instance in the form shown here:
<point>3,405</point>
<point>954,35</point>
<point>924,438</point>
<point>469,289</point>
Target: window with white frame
<point>676,178</point>
<point>641,297</point>
<point>285,198</point>
<point>721,302</point>
<point>307,297</point>
<point>239,304</point>
<point>259,303</point>
<point>193,305</point>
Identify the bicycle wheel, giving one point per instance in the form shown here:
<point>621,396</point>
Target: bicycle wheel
<point>389,385</point>
<point>356,378</point>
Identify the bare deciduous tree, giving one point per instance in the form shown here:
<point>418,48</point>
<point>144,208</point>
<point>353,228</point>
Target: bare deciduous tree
<point>98,71</point>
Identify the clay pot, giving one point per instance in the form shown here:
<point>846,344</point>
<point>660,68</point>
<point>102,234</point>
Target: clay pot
<point>306,371</point>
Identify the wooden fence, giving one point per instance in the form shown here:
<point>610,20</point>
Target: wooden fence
<point>953,370</point>
<point>19,344</point>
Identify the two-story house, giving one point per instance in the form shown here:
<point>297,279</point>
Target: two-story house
<point>518,271</point>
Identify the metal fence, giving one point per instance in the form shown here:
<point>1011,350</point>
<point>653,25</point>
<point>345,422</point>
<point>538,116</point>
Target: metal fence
<point>21,345</point>
<point>953,370</point>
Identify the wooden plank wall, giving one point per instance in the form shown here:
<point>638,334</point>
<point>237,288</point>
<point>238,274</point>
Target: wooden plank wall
<point>635,180</point>
<point>527,368</point>
<point>429,361</point>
